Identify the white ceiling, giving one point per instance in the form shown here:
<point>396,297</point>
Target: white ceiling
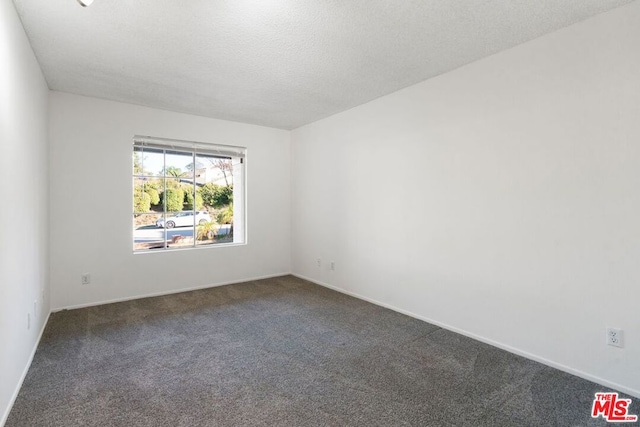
<point>279,63</point>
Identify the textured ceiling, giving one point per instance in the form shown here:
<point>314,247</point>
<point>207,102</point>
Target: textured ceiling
<point>279,63</point>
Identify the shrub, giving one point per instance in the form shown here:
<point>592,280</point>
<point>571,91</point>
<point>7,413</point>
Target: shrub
<point>154,183</point>
<point>208,192</point>
<point>141,200</point>
<point>199,201</point>
<point>153,195</point>
<point>173,198</point>
<point>224,196</point>
<point>207,231</point>
<point>172,183</point>
<point>188,200</point>
<point>217,196</point>
<point>225,216</point>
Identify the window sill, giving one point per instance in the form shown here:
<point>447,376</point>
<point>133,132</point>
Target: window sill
<point>191,248</point>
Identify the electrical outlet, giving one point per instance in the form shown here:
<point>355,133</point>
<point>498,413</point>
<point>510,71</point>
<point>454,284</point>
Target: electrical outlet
<point>615,337</point>
<point>333,266</point>
<point>86,279</point>
<point>319,262</point>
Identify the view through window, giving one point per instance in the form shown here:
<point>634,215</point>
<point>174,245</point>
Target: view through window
<point>186,194</point>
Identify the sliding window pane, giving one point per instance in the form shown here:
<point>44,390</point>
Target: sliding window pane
<point>183,198</point>
<point>215,185</point>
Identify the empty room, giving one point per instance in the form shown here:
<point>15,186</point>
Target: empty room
<point>319,213</point>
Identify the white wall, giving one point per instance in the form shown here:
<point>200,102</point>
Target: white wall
<point>23,210</point>
<point>501,199</point>
<point>91,191</point>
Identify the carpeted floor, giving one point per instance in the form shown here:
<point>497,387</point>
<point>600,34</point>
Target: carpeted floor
<point>282,352</point>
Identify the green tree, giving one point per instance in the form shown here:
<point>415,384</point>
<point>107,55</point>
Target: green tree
<point>173,171</point>
<point>173,175</point>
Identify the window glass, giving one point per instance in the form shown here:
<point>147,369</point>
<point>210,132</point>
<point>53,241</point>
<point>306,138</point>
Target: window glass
<point>188,196</point>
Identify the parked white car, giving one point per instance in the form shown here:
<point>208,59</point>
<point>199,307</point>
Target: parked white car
<point>183,219</point>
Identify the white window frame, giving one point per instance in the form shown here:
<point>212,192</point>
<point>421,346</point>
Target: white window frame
<point>140,143</point>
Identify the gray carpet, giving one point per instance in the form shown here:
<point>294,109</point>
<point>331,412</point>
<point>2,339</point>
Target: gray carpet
<point>282,352</point>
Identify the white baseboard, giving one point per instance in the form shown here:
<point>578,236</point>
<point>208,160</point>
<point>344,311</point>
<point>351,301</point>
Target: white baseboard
<point>5,416</point>
<point>170,292</point>
<point>567,369</point>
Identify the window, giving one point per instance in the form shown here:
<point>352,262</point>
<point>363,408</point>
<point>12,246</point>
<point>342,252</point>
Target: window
<point>186,194</point>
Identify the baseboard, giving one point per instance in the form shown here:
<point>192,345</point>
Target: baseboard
<point>564,368</point>
<point>170,292</point>
<point>5,416</point>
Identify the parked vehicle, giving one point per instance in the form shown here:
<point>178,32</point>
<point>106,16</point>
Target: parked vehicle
<point>183,219</point>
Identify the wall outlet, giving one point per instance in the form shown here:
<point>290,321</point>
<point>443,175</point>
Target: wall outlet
<point>86,279</point>
<point>615,337</point>
<point>332,266</point>
<point>319,262</point>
